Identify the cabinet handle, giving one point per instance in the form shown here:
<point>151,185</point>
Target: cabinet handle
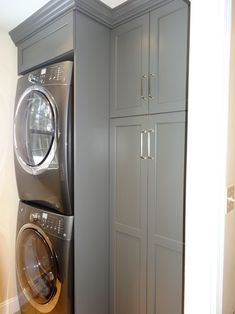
<point>149,144</point>
<point>151,77</point>
<point>141,144</point>
<point>142,87</point>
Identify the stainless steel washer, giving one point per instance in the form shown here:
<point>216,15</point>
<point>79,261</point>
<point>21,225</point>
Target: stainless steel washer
<point>44,261</point>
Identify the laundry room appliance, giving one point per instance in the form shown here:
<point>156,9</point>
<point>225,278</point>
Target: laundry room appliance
<point>44,261</point>
<point>43,137</point>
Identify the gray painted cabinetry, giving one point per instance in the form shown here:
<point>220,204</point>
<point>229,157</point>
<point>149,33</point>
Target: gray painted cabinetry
<point>147,155</point>
<point>149,62</point>
<point>147,206</point>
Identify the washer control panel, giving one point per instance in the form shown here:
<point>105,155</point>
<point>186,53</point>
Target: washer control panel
<point>51,223</point>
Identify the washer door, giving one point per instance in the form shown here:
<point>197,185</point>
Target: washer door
<point>35,130</point>
<point>37,268</point>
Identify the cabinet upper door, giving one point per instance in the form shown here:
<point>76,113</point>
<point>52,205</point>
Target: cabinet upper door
<point>128,215</point>
<point>168,58</point>
<point>129,68</point>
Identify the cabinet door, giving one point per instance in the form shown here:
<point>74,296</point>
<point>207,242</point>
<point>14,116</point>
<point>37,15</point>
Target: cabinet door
<point>166,213</point>
<point>168,58</point>
<point>129,68</point>
<point>128,216</point>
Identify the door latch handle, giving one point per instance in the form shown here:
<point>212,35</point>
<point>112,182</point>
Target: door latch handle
<point>144,77</point>
<point>149,144</point>
<point>151,77</point>
<point>142,133</point>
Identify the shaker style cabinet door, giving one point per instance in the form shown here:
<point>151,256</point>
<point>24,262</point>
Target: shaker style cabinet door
<point>129,68</point>
<point>168,58</point>
<point>128,215</point>
<point>166,171</point>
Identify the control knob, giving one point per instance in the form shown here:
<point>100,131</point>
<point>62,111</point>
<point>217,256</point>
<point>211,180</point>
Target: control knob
<point>34,217</point>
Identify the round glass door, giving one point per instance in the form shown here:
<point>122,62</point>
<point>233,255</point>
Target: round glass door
<point>35,129</point>
<point>36,268</point>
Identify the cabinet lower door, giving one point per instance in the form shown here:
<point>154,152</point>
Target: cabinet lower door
<point>128,215</point>
<point>166,176</point>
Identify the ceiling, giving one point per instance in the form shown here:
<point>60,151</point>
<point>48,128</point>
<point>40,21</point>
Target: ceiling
<point>13,12</point>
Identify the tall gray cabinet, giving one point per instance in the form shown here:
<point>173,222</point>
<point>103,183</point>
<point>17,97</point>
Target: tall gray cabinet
<point>147,153</point>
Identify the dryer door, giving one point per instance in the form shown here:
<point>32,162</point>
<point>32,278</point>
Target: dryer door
<point>35,130</point>
<point>36,266</point>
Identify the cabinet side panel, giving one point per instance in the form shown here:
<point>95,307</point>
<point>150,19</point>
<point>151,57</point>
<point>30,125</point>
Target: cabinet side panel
<point>91,166</point>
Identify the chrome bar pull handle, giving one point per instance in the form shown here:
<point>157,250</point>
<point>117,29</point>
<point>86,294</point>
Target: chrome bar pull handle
<point>149,144</point>
<point>142,133</point>
<point>143,78</point>
<point>151,77</point>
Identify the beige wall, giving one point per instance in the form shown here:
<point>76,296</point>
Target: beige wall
<point>229,253</point>
<point>8,192</point>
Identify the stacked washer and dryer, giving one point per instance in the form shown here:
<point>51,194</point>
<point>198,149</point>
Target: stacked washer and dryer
<point>43,147</point>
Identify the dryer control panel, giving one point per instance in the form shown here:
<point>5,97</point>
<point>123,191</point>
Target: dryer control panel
<point>55,74</point>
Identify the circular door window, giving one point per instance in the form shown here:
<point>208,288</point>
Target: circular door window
<point>37,269</point>
<point>35,130</point>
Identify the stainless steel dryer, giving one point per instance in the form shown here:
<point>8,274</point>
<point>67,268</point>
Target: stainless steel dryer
<point>44,261</point>
<point>43,137</point>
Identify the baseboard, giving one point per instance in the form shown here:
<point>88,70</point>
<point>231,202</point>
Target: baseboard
<point>10,306</point>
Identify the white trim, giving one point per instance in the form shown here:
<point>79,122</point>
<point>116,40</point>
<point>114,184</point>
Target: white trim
<point>10,306</point>
<point>207,155</point>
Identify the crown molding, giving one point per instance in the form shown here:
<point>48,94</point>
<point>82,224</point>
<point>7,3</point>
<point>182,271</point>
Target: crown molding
<point>92,8</point>
<point>133,8</point>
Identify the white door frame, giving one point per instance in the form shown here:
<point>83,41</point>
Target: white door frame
<point>207,155</point>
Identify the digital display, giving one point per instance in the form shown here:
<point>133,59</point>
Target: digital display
<point>43,71</point>
<point>44,216</point>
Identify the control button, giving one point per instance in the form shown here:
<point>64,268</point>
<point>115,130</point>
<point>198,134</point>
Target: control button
<point>34,217</point>
<point>64,235</point>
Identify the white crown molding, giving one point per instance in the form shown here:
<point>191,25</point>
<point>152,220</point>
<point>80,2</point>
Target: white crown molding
<point>93,8</point>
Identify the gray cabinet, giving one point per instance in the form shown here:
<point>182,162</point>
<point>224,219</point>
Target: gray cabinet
<point>128,216</point>
<point>166,172</point>
<point>50,43</point>
<point>168,58</point>
<point>149,62</point>
<point>129,67</point>
<point>147,213</point>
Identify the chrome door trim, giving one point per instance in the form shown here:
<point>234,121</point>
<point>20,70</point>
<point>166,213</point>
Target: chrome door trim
<point>35,170</point>
<point>43,308</point>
